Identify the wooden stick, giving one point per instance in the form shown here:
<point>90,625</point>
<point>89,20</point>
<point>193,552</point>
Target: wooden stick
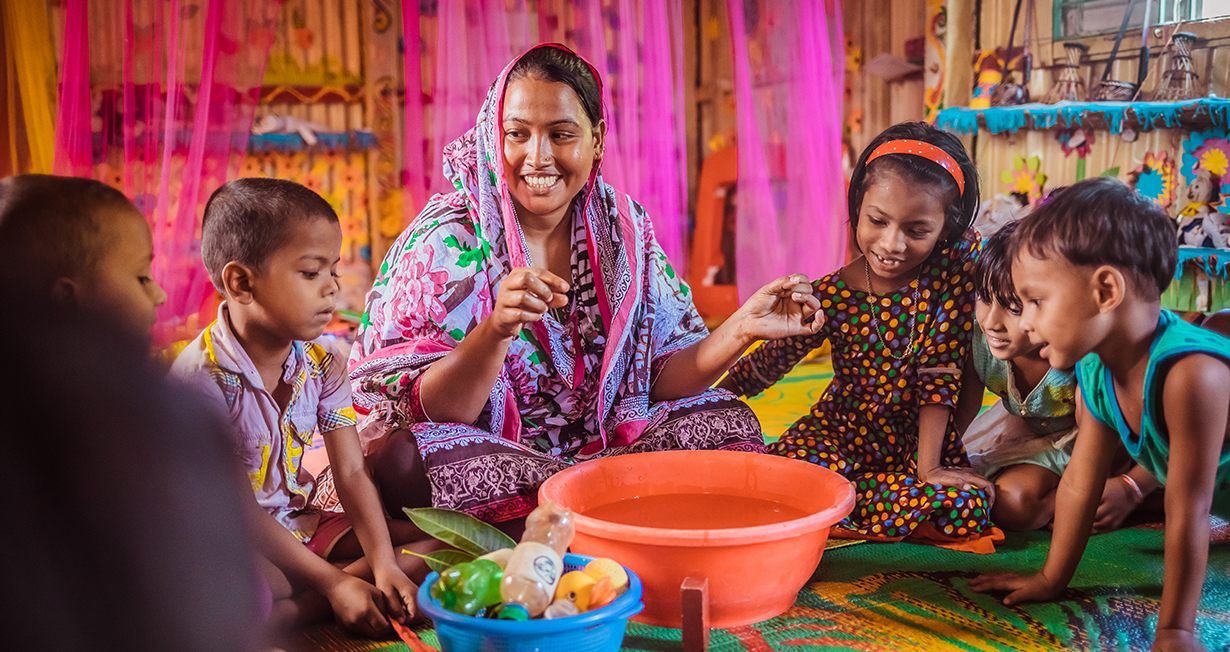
<point>695,595</point>
<point>1165,50</point>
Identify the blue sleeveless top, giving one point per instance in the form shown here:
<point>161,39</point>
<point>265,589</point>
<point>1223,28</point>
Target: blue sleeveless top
<point>1150,447</point>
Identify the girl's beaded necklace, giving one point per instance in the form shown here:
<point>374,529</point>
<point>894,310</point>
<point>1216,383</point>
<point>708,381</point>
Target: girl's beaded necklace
<point>875,316</point>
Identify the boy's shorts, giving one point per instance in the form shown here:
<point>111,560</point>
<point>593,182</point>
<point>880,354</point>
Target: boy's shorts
<point>996,440</point>
<point>332,527</point>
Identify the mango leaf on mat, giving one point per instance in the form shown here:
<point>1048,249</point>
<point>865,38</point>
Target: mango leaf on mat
<point>462,531</point>
<point>442,560</point>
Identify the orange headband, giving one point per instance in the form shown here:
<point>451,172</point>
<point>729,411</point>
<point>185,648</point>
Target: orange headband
<point>925,150</point>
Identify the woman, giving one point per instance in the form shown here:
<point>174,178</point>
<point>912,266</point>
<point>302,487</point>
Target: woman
<point>530,320</point>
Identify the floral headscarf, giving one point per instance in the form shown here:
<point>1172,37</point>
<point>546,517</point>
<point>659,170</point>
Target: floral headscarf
<point>441,276</point>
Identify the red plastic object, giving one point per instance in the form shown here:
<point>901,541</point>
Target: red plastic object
<point>754,573</point>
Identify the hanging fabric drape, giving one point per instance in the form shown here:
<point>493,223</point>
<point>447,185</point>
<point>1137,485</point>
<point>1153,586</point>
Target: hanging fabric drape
<point>637,47</point>
<point>29,60</point>
<point>157,99</point>
<point>788,69</point>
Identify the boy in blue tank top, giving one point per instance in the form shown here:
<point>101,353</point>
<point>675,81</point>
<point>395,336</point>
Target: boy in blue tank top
<point>1089,267</point>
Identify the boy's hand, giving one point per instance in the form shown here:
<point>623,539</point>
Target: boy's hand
<point>960,477</point>
<point>358,607</point>
<point>399,593</point>
<point>1020,588</point>
<point>1177,640</point>
<point>1118,502</point>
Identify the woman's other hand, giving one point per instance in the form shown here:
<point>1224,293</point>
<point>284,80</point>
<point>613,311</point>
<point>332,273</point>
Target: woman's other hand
<point>524,296</point>
<point>784,308</point>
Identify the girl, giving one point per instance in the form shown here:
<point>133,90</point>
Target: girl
<point>898,318</point>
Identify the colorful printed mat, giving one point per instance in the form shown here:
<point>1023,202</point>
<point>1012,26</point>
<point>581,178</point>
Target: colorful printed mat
<point>901,596</point>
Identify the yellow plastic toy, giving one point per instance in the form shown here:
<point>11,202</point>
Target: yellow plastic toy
<point>607,567</point>
<point>575,587</point>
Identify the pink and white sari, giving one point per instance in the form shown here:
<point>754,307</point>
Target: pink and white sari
<point>573,386</point>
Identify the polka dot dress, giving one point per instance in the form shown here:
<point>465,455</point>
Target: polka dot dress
<point>865,426</point>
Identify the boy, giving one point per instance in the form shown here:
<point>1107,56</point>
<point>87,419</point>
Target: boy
<point>1090,267</point>
<point>82,244</point>
<point>272,248</point>
<point>1024,442</point>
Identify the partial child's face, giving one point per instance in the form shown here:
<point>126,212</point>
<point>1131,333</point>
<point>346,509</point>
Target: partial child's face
<point>549,146</point>
<point>122,283</point>
<point>295,290</point>
<point>1003,330</point>
<point>899,224</point>
<point>1060,311</point>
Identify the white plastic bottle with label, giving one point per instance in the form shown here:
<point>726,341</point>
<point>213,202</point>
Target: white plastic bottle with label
<point>537,562</point>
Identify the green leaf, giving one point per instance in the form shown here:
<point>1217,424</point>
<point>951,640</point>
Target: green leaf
<point>442,560</point>
<point>457,334</point>
<point>1113,172</point>
<point>462,531</point>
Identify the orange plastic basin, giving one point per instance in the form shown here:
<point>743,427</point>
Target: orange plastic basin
<point>754,572</point>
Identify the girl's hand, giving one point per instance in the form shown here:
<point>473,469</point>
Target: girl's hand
<point>1020,588</point>
<point>1177,640</point>
<point>784,308</point>
<point>961,478</point>
<point>358,607</point>
<point>1118,502</point>
<point>524,296</point>
<point>399,593</point>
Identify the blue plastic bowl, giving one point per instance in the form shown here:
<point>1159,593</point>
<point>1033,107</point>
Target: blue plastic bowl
<point>593,631</point>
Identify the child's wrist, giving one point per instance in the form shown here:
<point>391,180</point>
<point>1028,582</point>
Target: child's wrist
<point>1134,491</point>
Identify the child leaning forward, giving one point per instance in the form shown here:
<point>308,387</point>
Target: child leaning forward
<point>1090,267</point>
<point>1024,442</point>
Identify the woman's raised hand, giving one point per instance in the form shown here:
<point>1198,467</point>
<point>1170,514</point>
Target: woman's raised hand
<point>524,296</point>
<point>783,308</point>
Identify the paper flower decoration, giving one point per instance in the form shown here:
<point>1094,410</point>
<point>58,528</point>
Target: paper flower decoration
<point>1024,178</point>
<point>1075,140</point>
<point>1206,149</point>
<point>1157,178</point>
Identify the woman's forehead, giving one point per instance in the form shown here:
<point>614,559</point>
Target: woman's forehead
<point>537,101</point>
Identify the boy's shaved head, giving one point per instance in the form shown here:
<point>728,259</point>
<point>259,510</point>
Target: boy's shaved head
<point>51,227</point>
<point>247,219</point>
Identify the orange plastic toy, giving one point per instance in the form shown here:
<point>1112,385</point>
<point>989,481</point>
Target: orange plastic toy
<point>754,572</point>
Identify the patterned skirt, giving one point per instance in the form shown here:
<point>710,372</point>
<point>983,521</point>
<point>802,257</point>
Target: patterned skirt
<point>496,479</point>
<point>890,501</point>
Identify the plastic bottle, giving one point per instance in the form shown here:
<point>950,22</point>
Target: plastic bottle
<point>537,562</point>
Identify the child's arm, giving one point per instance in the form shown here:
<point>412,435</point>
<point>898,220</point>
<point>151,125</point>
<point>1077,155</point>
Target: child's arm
<point>969,401</point>
<point>1075,503</point>
<point>1120,499</point>
<point>355,602</point>
<point>932,428</point>
<point>1195,400</point>
<point>361,502</point>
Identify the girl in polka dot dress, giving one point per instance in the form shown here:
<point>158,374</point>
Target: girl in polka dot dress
<point>898,319</point>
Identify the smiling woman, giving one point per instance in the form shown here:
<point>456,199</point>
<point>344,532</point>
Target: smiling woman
<point>530,320</point>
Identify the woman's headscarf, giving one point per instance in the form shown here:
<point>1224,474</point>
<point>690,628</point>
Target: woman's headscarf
<point>440,277</point>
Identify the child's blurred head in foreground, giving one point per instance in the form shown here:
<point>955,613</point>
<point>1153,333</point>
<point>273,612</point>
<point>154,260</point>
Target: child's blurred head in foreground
<point>999,308</point>
<point>1096,246</point>
<point>272,248</point>
<point>81,243</point>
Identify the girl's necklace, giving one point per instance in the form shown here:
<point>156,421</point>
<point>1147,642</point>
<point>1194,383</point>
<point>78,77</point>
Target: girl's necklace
<point>875,316</point>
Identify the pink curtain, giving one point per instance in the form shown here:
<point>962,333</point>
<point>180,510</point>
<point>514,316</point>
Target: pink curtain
<point>157,99</point>
<point>637,47</point>
<point>789,67</point>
